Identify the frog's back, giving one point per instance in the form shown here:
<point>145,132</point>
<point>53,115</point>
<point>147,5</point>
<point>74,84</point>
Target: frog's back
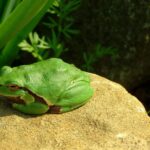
<point>51,77</point>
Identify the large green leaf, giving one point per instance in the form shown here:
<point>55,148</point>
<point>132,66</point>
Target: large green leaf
<point>10,51</point>
<point>19,18</point>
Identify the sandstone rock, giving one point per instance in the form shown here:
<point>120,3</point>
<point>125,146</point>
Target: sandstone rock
<point>112,120</point>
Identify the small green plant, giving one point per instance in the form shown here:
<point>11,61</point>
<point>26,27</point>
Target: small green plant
<point>36,46</point>
<point>91,57</point>
<point>59,24</point>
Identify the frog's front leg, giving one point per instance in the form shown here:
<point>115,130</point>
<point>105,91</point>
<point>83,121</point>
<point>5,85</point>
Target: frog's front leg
<point>24,101</point>
<point>32,108</point>
<point>14,93</point>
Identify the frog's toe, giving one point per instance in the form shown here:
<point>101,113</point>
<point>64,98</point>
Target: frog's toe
<point>58,109</point>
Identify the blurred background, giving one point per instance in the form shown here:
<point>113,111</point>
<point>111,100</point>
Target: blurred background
<point>109,38</point>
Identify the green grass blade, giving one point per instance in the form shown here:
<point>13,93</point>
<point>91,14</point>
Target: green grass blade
<point>8,8</point>
<point>2,7</point>
<point>10,51</point>
<point>19,18</point>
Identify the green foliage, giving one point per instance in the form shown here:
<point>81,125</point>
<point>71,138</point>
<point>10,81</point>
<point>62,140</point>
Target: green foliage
<point>56,45</point>
<point>59,24</point>
<point>91,57</point>
<point>62,21</point>
<point>36,46</point>
<point>17,19</point>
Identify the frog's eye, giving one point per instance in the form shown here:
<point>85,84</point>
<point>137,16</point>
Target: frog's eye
<point>5,70</point>
<point>13,87</point>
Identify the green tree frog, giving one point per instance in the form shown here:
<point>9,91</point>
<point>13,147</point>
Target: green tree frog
<point>46,86</point>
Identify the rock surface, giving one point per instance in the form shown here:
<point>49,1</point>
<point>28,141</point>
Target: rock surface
<point>112,120</point>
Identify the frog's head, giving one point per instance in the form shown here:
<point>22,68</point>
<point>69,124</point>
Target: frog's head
<point>10,81</point>
<point>9,76</point>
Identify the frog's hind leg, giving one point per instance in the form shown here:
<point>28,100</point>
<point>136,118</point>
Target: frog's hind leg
<point>62,109</point>
<point>32,108</point>
<point>74,98</point>
<point>69,108</point>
